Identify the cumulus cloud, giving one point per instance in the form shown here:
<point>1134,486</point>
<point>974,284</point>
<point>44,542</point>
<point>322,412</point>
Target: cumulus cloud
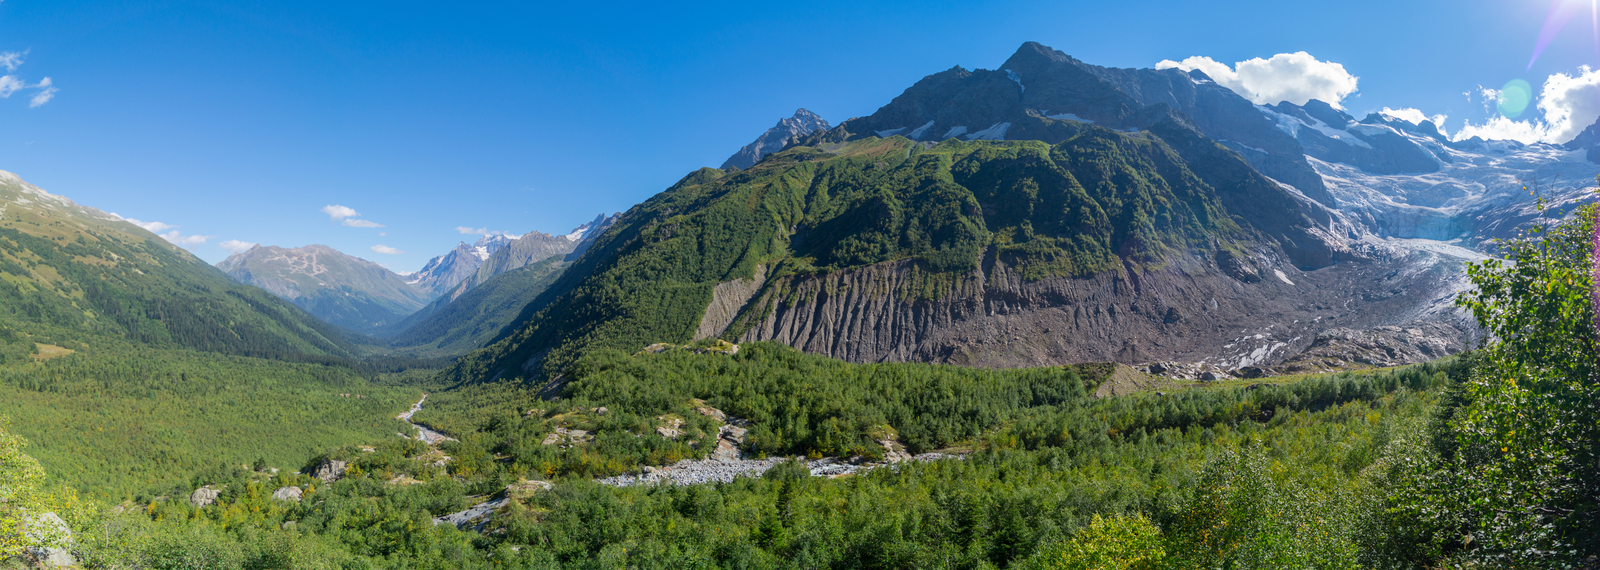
<point>337,212</point>
<point>1415,116</point>
<point>386,250</point>
<point>1294,77</point>
<point>236,246</point>
<point>473,231</point>
<point>1569,104</point>
<point>354,223</point>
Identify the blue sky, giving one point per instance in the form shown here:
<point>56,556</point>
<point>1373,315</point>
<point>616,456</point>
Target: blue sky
<point>243,120</point>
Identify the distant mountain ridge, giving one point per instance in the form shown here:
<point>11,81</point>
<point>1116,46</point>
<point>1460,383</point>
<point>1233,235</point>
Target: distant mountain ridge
<point>443,273</point>
<point>341,289</point>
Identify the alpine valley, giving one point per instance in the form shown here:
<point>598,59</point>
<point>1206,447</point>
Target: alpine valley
<point>1048,315</point>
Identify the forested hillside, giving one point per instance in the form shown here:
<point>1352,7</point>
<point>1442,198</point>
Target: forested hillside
<point>1101,202</point>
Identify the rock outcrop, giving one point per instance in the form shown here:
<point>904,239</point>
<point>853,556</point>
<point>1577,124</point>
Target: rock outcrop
<point>52,540</point>
<point>287,494</point>
<point>204,496</point>
<point>330,470</point>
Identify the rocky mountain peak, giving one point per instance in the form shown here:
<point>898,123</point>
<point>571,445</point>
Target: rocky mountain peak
<point>803,123</point>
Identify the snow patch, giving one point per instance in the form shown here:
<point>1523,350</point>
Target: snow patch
<point>1013,76</point>
<point>955,132</point>
<point>1281,276</point>
<point>1068,117</point>
<point>889,133</point>
<point>917,134</point>
<point>993,133</point>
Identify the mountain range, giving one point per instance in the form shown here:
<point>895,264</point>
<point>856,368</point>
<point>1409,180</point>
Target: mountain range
<point>1052,211</point>
<point>366,297</point>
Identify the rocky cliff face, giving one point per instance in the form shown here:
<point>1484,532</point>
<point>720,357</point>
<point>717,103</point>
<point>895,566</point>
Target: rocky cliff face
<point>803,123</point>
<point>1188,312</point>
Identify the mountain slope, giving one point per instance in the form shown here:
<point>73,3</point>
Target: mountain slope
<point>343,290</point>
<point>78,271</point>
<point>1101,207</point>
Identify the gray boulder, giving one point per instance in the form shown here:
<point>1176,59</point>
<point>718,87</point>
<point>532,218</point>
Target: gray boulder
<point>52,537</point>
<point>204,496</point>
<point>287,494</point>
<point>330,470</point>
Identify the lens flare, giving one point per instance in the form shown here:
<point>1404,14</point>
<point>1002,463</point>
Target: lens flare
<point>1514,98</point>
<point>1560,13</point>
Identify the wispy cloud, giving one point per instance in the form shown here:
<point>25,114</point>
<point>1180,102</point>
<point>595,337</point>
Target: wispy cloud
<point>183,240</point>
<point>473,231</point>
<point>354,223</point>
<point>236,246</point>
<point>386,250</point>
<point>337,212</point>
<point>1294,77</point>
<point>9,84</point>
<point>152,227</point>
<point>44,95</point>
<point>11,60</point>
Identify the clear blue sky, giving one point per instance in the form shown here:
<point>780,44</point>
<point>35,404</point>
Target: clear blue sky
<point>243,119</point>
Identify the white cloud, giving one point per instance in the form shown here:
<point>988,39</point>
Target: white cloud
<point>11,59</point>
<point>1569,104</point>
<point>473,231</point>
<point>45,94</point>
<point>152,227</point>
<point>337,212</point>
<point>236,246</point>
<point>354,223</point>
<point>183,240</point>
<point>1415,116</point>
<point>386,250</point>
<point>10,84</point>
<point>1294,77</point>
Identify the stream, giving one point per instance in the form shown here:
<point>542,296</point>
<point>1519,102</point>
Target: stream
<point>427,436</point>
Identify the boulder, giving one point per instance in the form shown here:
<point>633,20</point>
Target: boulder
<point>204,496</point>
<point>54,538</point>
<point>330,470</point>
<point>287,494</point>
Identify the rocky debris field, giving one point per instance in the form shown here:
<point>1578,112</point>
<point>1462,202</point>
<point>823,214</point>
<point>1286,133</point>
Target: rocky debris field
<point>702,471</point>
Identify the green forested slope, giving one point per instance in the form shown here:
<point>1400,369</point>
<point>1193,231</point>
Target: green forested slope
<point>115,418</point>
<point>75,268</point>
<point>1089,204</point>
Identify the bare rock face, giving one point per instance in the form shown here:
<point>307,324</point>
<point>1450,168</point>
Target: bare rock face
<point>204,496</point>
<point>1189,311</point>
<point>330,471</point>
<point>287,494</point>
